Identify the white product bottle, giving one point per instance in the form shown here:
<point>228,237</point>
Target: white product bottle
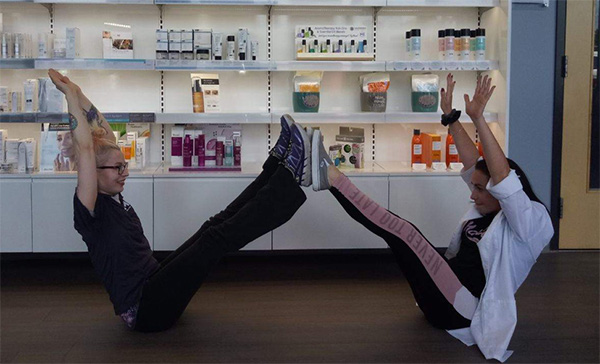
<point>415,44</point>
<point>449,45</point>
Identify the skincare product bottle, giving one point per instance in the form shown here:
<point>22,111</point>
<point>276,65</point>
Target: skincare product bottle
<point>449,48</point>
<point>328,47</point>
<point>365,50</point>
<point>254,50</point>
<point>441,45</point>
<point>231,47</point>
<point>415,44</point>
<point>315,46</point>
<point>360,47</point>
<point>73,42</point>
<point>60,48</point>
<point>304,46</point>
<point>197,97</point>
<point>242,43</point>
<point>45,45</point>
<point>436,148</point>
<point>22,158</point>
<point>416,147</point>
<point>29,88</point>
<point>300,45</point>
<point>217,46</point>
<point>200,148</point>
<point>228,153</point>
<point>352,46</point>
<point>177,146</point>
<point>187,150</point>
<point>18,45</point>
<point>480,44</point>
<point>451,151</point>
<point>473,44</point>
<point>407,45</point>
<point>457,43</point>
<point>237,148</point>
<point>4,99</point>
<point>220,150</point>
<point>5,45</point>
<point>465,44</point>
<point>340,46</point>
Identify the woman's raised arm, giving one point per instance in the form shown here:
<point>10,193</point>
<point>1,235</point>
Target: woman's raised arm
<point>87,185</point>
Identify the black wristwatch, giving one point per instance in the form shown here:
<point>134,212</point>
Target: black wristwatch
<point>448,119</point>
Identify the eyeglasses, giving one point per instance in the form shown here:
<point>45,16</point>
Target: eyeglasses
<point>120,169</point>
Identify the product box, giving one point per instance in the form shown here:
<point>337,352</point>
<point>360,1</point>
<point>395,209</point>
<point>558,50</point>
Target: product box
<point>332,42</point>
<point>60,48</point>
<point>50,99</point>
<point>177,146</point>
<point>142,152</point>
<point>117,45</point>
<point>30,93</point>
<point>205,92</point>
<point>29,145</point>
<point>352,147</point>
<point>11,151</point>
<point>162,50</point>
<point>57,149</point>
<point>174,50</point>
<point>202,44</point>
<point>73,44</point>
<point>187,50</point>
<point>15,101</point>
<point>45,45</point>
<point>162,35</point>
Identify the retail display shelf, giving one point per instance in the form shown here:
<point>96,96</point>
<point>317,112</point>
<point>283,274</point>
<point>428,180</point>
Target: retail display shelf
<point>213,118</point>
<point>95,64</point>
<point>20,63</point>
<point>249,169</point>
<point>39,117</point>
<point>441,65</point>
<point>396,168</point>
<point>214,2</point>
<point>430,117</point>
<point>342,66</point>
<point>184,65</point>
<point>95,1</point>
<point>444,3</point>
<point>337,3</point>
<point>332,118</point>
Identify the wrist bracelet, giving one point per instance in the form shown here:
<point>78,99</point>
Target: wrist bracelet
<point>451,117</point>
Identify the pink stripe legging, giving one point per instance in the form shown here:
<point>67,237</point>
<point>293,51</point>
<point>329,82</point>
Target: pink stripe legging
<point>436,288</point>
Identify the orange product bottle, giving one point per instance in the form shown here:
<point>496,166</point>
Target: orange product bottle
<point>436,148</point>
<point>451,151</point>
<point>479,149</point>
<point>197,97</point>
<point>416,147</point>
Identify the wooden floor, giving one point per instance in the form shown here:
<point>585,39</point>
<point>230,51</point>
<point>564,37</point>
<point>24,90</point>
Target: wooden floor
<point>264,309</point>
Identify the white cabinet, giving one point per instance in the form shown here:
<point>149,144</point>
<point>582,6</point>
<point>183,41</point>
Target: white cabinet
<point>15,215</point>
<point>182,205</point>
<point>434,204</point>
<point>52,206</point>
<point>322,223</point>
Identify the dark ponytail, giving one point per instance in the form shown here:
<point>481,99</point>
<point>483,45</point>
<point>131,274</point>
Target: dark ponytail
<point>481,165</point>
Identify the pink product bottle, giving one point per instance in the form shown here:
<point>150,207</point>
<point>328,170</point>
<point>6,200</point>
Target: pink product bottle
<point>220,151</point>
<point>177,146</point>
<point>200,147</point>
<point>187,151</point>
<point>237,149</point>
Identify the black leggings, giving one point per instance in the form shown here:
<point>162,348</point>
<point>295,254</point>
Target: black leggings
<point>431,279</point>
<point>267,203</point>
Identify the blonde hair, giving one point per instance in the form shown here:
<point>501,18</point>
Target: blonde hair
<point>102,146</point>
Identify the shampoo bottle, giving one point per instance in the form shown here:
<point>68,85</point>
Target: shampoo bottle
<point>228,153</point>
<point>237,149</point>
<point>200,148</point>
<point>451,151</point>
<point>416,147</point>
<point>219,151</point>
<point>187,150</point>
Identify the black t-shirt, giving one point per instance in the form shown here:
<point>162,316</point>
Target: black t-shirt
<point>119,251</point>
<point>467,262</point>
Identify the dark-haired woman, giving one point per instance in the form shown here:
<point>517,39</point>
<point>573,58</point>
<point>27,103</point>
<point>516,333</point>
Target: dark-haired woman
<point>470,291</point>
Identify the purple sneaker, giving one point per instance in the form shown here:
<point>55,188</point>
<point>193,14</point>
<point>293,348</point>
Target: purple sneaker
<point>298,159</point>
<point>281,148</point>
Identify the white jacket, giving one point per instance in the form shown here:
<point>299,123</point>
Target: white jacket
<point>509,248</point>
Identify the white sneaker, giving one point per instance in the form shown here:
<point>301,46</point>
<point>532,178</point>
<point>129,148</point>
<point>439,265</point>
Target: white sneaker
<point>320,163</point>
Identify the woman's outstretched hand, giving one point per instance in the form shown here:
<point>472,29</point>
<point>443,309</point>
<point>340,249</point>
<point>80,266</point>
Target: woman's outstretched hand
<point>446,102</point>
<point>483,92</point>
<point>63,83</point>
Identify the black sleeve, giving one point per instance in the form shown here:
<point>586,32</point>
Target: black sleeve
<point>84,222</point>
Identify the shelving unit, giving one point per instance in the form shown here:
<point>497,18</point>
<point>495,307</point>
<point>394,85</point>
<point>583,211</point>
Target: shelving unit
<point>256,93</point>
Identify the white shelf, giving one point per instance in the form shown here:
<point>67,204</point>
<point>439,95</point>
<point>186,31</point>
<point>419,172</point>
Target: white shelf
<point>20,63</point>
<point>332,118</point>
<point>342,66</point>
<point>430,117</point>
<point>95,64</point>
<point>396,168</point>
<point>441,65</point>
<point>95,1</point>
<point>336,3</point>
<point>213,118</point>
<point>180,65</point>
<point>214,2</point>
<point>39,117</point>
<point>445,3</point>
